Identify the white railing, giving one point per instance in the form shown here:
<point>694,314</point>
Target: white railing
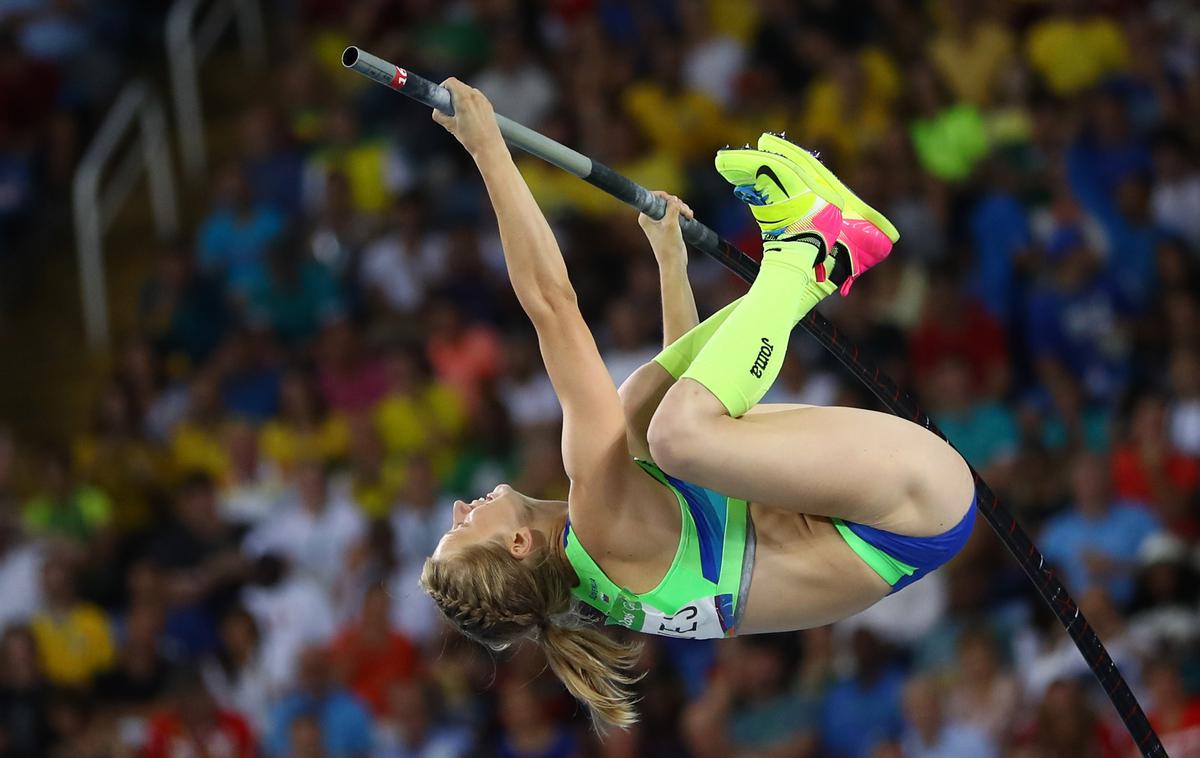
<point>191,37</point>
<point>97,202</point>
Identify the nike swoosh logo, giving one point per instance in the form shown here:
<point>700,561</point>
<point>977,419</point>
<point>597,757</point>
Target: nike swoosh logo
<point>770,174</point>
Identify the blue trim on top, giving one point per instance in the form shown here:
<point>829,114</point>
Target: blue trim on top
<point>922,553</point>
<point>709,512</point>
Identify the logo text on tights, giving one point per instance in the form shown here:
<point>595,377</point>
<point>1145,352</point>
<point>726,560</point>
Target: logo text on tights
<point>764,357</point>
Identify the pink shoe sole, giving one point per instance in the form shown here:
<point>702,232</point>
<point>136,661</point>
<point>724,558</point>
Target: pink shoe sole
<point>867,246</point>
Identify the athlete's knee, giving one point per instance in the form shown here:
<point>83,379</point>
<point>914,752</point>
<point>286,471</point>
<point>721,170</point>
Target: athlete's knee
<point>676,434</point>
<point>944,488</point>
<point>959,480</point>
<point>672,443</point>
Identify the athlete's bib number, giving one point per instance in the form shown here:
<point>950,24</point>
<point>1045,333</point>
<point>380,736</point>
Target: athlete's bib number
<point>694,621</point>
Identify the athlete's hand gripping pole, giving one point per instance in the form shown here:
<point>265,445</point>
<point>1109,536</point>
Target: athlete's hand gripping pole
<point>898,402</point>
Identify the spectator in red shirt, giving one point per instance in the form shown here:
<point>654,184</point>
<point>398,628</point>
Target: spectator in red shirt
<point>370,655</point>
<point>463,355</point>
<point>1146,467</point>
<point>1174,713</point>
<point>954,326</point>
<point>193,725</point>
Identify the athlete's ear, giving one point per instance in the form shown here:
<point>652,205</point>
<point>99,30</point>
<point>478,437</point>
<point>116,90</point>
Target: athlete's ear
<point>521,543</point>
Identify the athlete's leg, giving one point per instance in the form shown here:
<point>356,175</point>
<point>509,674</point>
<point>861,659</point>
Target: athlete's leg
<point>741,358</point>
<point>644,389</point>
<point>677,356</point>
<point>862,466</point>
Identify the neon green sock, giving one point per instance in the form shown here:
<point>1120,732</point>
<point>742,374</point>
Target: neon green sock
<point>741,360</point>
<point>677,356</point>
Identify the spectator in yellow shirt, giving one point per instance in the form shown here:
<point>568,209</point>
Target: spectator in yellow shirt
<point>420,415</point>
<point>970,52</point>
<point>304,429</point>
<point>121,462</point>
<point>74,641</point>
<point>197,443</point>
<point>682,122</point>
<point>849,106</point>
<point>1073,50</point>
<point>375,477</point>
<point>369,165</point>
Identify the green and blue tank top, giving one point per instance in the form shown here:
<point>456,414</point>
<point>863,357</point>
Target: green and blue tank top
<point>703,592</point>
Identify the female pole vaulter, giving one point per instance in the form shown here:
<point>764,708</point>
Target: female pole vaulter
<point>694,511</point>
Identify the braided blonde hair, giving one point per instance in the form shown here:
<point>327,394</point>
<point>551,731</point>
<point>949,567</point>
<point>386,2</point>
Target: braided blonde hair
<point>497,599</point>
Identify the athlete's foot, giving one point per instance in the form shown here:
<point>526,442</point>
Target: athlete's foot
<point>788,207</point>
<point>865,237</point>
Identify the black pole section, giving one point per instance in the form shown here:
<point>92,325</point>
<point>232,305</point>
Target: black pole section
<point>897,401</point>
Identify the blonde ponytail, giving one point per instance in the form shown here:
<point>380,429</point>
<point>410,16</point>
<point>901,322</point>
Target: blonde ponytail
<point>496,600</point>
<point>595,668</point>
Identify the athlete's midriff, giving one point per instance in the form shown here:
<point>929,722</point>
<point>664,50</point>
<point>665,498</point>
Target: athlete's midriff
<point>804,574</point>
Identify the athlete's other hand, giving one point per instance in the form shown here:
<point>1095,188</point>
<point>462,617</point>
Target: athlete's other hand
<point>665,237</point>
<point>473,122</point>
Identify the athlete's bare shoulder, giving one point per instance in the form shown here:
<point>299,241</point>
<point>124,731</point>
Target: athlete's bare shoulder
<point>625,528</point>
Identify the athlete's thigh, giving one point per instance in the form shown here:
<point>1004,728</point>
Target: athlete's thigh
<point>763,409</point>
<point>858,465</point>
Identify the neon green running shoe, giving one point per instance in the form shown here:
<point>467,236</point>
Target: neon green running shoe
<point>865,234</point>
<point>783,199</point>
<point>819,173</point>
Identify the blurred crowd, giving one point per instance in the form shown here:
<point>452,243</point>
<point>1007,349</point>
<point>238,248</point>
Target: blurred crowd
<point>223,561</point>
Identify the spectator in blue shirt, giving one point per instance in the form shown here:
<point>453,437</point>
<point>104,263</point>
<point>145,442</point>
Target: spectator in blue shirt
<point>863,710</point>
<point>273,168</point>
<point>294,294</point>
<point>1108,170</point>
<point>183,311</point>
<point>251,380</point>
<point>1096,541</point>
<point>929,734</point>
<point>1075,320</point>
<point>235,237</point>
<point>344,723</point>
<point>1001,238</point>
<point>984,431</point>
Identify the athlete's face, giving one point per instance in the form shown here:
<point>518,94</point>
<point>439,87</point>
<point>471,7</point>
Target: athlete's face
<point>502,514</point>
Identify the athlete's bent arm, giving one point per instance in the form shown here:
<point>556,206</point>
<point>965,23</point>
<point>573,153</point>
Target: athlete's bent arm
<point>666,240</point>
<point>644,389</point>
<point>594,449</point>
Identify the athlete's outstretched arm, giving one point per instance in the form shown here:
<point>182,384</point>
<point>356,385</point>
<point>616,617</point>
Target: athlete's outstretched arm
<point>593,421</point>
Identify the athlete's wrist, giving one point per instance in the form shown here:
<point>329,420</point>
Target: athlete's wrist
<point>671,257</point>
<point>491,151</point>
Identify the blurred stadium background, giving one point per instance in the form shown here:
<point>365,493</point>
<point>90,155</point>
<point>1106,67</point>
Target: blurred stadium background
<point>223,459</point>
